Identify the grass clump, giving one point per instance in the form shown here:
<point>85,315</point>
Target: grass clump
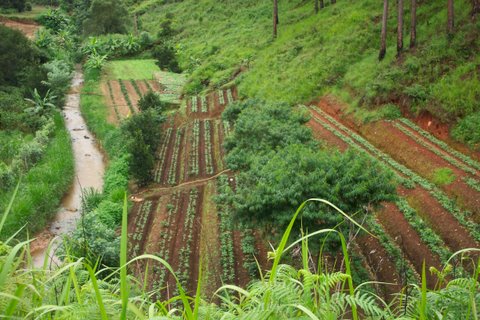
<point>443,176</point>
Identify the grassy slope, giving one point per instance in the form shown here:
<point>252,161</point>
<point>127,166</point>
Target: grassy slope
<point>42,187</point>
<point>332,52</point>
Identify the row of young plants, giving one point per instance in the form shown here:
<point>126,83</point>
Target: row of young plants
<point>227,258</point>
<point>229,96</point>
<point>149,86</point>
<point>433,241</point>
<point>248,250</point>
<point>194,104</point>
<point>135,86</point>
<point>112,97</point>
<point>394,252</point>
<point>474,183</point>
<point>140,223</point>
<point>166,237</point>
<point>208,147</point>
<point>438,152</point>
<point>194,154</point>
<point>125,94</point>
<point>447,203</point>
<point>204,104</point>
<point>161,155</point>
<point>221,98</point>
<point>187,238</point>
<point>172,172</point>
<point>227,128</point>
<point>441,144</point>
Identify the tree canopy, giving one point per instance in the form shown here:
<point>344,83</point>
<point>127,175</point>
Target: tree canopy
<point>106,16</point>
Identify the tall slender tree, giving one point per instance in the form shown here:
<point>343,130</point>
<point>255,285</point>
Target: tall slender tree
<point>399,27</point>
<point>475,7</point>
<point>275,17</point>
<point>413,24</point>
<point>334,1</point>
<point>316,6</point>
<point>450,18</point>
<point>383,40</point>
<point>322,4</point>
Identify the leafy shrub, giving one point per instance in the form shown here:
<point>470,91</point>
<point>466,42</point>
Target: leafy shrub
<point>30,153</point>
<point>95,61</point>
<point>151,100</point>
<point>106,16</point>
<point>166,57</point>
<point>7,177</point>
<point>59,74</point>
<point>467,130</point>
<point>54,20</point>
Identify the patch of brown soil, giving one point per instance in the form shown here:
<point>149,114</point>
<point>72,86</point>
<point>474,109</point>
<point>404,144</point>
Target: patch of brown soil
<point>28,28</point>
<point>119,99</point>
<point>202,168</point>
<point>323,135</point>
<point>168,158</point>
<point>241,275</point>
<point>409,241</point>
<point>132,93</point>
<point>112,116</point>
<point>381,265</point>
<point>194,263</point>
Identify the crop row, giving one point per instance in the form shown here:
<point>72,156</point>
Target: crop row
<point>112,98</point>
<point>162,154</point>
<point>438,152</point>
<point>172,172</point>
<point>227,258</point>
<point>447,203</point>
<point>208,147</point>
<point>194,105</point>
<point>226,127</point>
<point>393,251</point>
<point>221,98</point>
<point>204,104</point>
<point>187,237</point>
<point>135,86</point>
<point>248,249</point>
<point>475,184</point>
<point>229,96</point>
<point>125,94</point>
<point>166,238</point>
<point>194,155</point>
<point>139,223</point>
<point>149,86</point>
<point>441,144</point>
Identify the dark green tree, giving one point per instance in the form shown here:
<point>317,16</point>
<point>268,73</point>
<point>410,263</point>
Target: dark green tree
<point>164,53</point>
<point>106,16</point>
<point>151,100</point>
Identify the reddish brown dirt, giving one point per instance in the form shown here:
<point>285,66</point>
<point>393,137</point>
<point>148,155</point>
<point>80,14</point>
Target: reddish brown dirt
<point>194,264</point>
<point>456,237</point>
<point>28,28</point>
<point>201,152</point>
<point>409,241</point>
<point>186,153</point>
<point>119,99</point>
<point>132,94</point>
<point>112,116</point>
<point>263,248</point>
<point>442,131</point>
<point>381,265</point>
<point>212,143</point>
<point>323,135</point>
<point>401,147</point>
<point>142,86</point>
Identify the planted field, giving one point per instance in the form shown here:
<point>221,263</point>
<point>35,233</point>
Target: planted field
<point>210,105</point>
<point>426,223</point>
<point>183,222</point>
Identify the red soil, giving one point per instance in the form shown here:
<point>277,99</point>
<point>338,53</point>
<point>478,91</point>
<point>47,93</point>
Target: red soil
<point>241,275</point>
<point>112,116</point>
<point>168,158</point>
<point>132,94</point>
<point>28,28</point>
<point>119,100</point>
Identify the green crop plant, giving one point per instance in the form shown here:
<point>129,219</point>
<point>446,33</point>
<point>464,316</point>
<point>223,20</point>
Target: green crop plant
<point>126,96</point>
<point>149,86</point>
<point>187,236</point>
<point>475,184</point>
<point>229,96</point>
<point>221,98</point>
<point>161,155</point>
<point>443,176</point>
<point>110,92</point>
<point>204,104</point>
<point>194,155</point>
<point>172,173</point>
<point>135,86</point>
<point>194,104</point>
<point>208,147</point>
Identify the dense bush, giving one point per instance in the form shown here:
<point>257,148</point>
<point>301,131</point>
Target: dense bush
<point>151,100</point>
<point>106,16</point>
<point>467,130</point>
<point>166,58</point>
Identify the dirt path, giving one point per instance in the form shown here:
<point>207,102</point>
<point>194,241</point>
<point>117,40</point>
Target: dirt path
<point>28,28</point>
<point>89,170</point>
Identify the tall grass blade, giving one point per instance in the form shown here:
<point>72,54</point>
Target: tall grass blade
<point>98,295</point>
<point>123,260</point>
<point>9,207</point>
<point>198,292</point>
<point>423,299</point>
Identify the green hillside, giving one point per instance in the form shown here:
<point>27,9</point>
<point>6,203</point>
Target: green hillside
<point>332,52</point>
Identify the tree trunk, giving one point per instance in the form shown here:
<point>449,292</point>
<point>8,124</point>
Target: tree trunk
<point>413,24</point>
<point>322,4</point>
<point>275,17</point>
<point>400,27</point>
<point>475,7</point>
<point>316,6</point>
<point>383,41</point>
<point>334,1</point>
<point>450,19</point>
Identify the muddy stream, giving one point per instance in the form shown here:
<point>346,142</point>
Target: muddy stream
<point>89,169</point>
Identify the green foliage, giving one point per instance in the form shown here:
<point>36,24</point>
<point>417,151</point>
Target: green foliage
<point>12,112</point>
<point>443,176</point>
<point>18,5</point>
<point>59,76</point>
<point>54,20</point>
<point>106,16</point>
<point>466,130</point>
<point>273,126</point>
<point>151,100</point>
<point>165,55</point>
